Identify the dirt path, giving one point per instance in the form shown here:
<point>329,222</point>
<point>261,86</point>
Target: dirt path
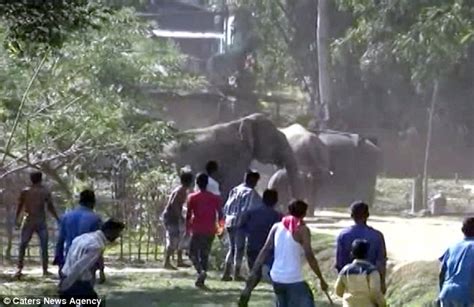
<point>407,239</point>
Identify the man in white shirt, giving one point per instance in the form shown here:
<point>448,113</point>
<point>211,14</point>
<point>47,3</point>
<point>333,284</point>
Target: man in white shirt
<point>77,272</point>
<point>212,186</point>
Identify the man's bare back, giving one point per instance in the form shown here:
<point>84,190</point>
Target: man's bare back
<point>34,200</point>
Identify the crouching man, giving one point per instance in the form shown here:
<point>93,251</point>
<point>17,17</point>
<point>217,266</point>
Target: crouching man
<point>77,284</point>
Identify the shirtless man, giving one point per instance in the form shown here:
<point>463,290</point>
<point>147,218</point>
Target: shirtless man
<point>34,200</point>
<point>173,220</point>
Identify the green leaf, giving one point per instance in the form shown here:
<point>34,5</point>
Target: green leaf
<point>467,37</point>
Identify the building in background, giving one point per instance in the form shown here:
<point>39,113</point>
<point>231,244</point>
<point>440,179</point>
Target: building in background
<point>199,31</point>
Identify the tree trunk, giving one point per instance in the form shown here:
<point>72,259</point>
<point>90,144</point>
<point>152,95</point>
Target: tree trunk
<point>324,60</point>
<point>417,195</point>
<point>431,112</point>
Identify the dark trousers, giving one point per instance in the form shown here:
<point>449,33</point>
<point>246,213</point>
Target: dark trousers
<point>199,250</point>
<point>254,280</point>
<point>27,232</point>
<point>79,290</point>
<point>251,258</point>
<point>235,254</point>
<point>295,294</point>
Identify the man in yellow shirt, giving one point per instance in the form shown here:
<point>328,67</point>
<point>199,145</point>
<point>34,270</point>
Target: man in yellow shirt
<point>359,282</point>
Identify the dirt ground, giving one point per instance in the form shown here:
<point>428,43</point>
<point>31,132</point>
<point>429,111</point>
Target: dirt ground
<point>407,239</point>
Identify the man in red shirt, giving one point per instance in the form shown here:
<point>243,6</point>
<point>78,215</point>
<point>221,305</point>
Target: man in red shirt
<point>203,210</point>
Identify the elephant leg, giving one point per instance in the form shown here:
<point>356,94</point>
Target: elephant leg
<point>309,191</point>
<point>279,182</point>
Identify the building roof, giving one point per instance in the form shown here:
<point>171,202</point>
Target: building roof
<point>187,34</point>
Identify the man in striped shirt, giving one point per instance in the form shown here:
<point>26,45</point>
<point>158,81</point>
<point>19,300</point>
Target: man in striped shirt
<point>241,199</point>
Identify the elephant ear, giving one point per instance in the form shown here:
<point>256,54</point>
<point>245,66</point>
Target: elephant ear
<point>246,133</point>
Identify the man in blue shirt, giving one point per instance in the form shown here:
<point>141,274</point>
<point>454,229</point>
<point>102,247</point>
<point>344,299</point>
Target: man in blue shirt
<point>241,199</point>
<point>377,254</point>
<point>257,224</point>
<point>76,222</point>
<point>456,278</point>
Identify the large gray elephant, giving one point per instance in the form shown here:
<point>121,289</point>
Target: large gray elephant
<point>312,157</point>
<point>234,145</point>
<point>354,162</point>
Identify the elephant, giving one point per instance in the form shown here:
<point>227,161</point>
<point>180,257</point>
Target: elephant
<point>312,157</point>
<point>234,145</point>
<point>354,162</point>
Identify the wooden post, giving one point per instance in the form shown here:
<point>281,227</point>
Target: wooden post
<point>140,227</point>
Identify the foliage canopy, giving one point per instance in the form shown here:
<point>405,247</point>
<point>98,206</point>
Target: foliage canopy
<point>84,106</point>
<point>428,36</point>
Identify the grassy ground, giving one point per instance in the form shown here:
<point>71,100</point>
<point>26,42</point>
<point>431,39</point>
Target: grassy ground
<point>414,285</point>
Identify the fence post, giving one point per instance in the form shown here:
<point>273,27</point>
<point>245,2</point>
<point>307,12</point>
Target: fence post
<point>139,227</point>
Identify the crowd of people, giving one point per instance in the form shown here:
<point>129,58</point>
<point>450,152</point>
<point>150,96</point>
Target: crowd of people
<point>274,244</point>
<point>271,242</point>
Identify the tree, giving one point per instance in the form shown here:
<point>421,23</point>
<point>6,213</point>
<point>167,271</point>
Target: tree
<point>31,26</point>
<point>324,61</point>
<point>85,100</point>
<point>428,37</point>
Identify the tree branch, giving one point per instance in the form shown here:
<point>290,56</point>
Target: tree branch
<point>36,113</point>
<point>22,103</point>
